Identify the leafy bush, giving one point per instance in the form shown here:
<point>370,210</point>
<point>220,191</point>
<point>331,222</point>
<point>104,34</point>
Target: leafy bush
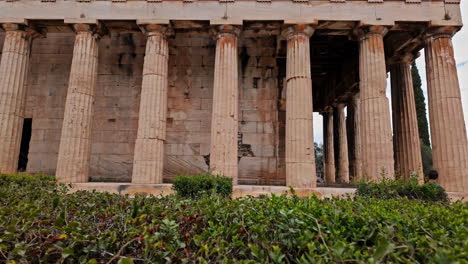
<point>195,186</point>
<point>389,189</point>
<point>41,223</point>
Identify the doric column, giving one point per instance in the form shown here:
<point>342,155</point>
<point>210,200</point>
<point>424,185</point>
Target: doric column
<point>376,132</point>
<point>343,164</point>
<point>405,123</point>
<point>354,137</point>
<point>448,131</point>
<point>300,156</point>
<point>13,75</point>
<point>75,142</point>
<point>151,135</point>
<point>225,112</point>
<point>328,146</point>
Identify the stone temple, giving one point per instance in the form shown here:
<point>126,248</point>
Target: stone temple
<point>139,91</point>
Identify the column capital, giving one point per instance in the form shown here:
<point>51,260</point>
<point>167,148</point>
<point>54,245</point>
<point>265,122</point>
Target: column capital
<point>28,30</point>
<point>95,28</point>
<point>328,109</point>
<point>340,105</point>
<point>440,32</point>
<point>222,30</point>
<point>363,32</point>
<point>164,30</point>
<point>290,31</point>
<point>404,58</point>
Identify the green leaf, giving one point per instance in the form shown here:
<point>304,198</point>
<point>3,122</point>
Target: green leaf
<point>125,261</point>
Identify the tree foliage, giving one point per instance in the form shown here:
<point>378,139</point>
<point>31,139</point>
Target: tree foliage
<point>423,126</point>
<point>420,106</point>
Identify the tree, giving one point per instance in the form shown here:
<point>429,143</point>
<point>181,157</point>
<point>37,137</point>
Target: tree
<point>318,159</point>
<point>423,127</point>
<point>420,106</point>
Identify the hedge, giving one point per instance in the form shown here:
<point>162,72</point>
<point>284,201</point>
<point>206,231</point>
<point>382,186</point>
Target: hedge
<point>40,223</point>
<point>195,186</point>
<point>411,189</point>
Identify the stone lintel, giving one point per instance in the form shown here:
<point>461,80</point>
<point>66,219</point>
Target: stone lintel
<point>91,21</point>
<point>227,21</point>
<point>385,13</point>
<point>20,21</point>
<point>153,21</point>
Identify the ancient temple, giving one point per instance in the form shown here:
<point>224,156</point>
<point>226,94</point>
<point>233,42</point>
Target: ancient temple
<point>142,90</point>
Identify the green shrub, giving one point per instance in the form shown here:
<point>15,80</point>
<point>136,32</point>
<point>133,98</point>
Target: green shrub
<point>411,189</point>
<point>41,223</point>
<point>195,186</point>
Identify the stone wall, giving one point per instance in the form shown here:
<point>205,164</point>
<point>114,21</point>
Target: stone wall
<point>191,69</point>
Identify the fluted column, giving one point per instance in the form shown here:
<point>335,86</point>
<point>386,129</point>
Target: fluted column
<point>300,156</point>
<point>328,146</point>
<point>405,123</point>
<point>354,143</point>
<point>75,142</point>
<point>376,132</point>
<point>448,131</point>
<point>13,75</point>
<point>343,165</point>
<point>151,135</point>
<point>225,112</point>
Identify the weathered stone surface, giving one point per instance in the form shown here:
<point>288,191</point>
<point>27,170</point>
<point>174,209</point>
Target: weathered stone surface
<point>328,146</point>
<point>75,141</point>
<point>225,115</point>
<point>343,164</point>
<point>300,158</point>
<point>448,131</point>
<point>149,146</point>
<point>376,133</point>
<point>13,75</point>
<point>354,138</point>
<point>405,123</point>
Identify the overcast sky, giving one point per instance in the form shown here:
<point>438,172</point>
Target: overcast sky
<point>460,42</point>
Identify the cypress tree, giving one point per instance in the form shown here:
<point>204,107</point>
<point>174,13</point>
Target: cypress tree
<point>420,106</point>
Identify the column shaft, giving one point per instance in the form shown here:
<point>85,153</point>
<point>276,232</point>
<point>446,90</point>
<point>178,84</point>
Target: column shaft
<point>225,115</point>
<point>151,135</point>
<point>448,131</point>
<point>13,75</point>
<point>376,133</point>
<point>354,138</point>
<point>343,165</point>
<point>300,156</point>
<point>75,142</point>
<point>328,147</point>
<point>405,123</point>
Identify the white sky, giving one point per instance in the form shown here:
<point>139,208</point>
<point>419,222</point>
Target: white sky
<point>460,42</point>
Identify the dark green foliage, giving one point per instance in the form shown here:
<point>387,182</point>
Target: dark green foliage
<point>194,186</point>
<point>40,223</point>
<point>426,156</point>
<point>390,189</point>
<point>420,106</point>
<point>318,149</point>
